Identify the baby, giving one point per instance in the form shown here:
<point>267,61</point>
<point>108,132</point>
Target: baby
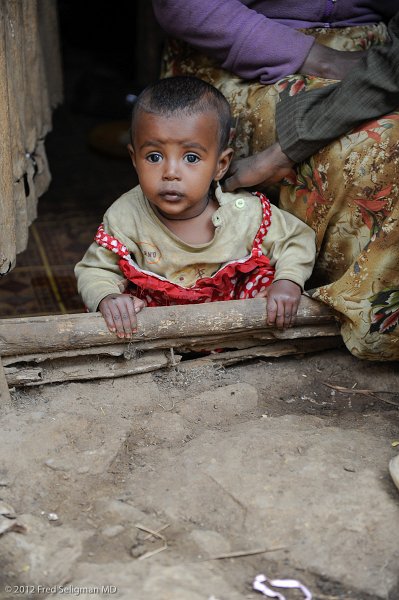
<point>177,238</point>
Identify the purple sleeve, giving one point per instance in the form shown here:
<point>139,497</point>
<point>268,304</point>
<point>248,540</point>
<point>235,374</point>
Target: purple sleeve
<point>241,40</point>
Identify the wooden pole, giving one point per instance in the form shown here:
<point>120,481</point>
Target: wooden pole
<point>7,204</point>
<point>52,333</point>
<point>81,368</point>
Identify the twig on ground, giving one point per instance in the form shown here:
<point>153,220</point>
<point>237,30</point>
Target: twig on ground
<point>158,536</point>
<point>239,553</point>
<point>372,393</point>
<point>324,597</point>
<point>147,537</point>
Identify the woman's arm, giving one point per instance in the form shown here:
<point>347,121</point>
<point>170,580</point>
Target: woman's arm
<point>310,120</point>
<point>240,39</point>
<point>248,43</point>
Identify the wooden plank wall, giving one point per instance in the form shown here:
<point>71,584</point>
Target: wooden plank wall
<point>30,87</point>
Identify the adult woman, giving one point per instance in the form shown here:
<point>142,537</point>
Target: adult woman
<point>347,191</point>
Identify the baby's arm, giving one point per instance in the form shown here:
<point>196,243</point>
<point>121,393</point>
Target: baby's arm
<point>290,245</point>
<point>100,283</point>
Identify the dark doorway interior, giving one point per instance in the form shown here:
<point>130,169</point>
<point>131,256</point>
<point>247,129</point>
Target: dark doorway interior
<point>110,52</point>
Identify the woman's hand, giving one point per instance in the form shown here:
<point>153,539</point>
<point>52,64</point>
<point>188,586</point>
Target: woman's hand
<point>262,169</point>
<point>329,63</point>
<point>283,298</point>
<point>119,312</point>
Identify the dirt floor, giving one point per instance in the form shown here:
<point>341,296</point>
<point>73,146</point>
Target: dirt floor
<point>269,459</point>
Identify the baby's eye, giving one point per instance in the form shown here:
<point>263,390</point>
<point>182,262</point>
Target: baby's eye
<point>191,158</point>
<point>154,157</point>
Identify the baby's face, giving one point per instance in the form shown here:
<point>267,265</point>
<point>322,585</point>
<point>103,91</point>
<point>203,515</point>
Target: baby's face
<point>176,158</point>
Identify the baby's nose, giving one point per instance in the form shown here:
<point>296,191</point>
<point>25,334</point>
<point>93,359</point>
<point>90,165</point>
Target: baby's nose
<point>171,170</point>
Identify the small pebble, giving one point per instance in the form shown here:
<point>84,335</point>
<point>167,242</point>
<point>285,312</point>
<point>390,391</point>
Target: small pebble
<point>52,517</point>
<point>83,470</point>
<point>113,531</point>
<point>55,466</point>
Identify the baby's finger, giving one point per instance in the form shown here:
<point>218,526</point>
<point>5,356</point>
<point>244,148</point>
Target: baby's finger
<point>295,307</point>
<point>287,311</point>
<point>128,315</point>
<point>117,317</point>
<point>271,308</point>
<point>280,316</point>
<point>138,304</point>
<point>109,320</point>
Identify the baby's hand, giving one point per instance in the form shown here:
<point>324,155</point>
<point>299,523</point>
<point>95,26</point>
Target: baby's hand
<point>119,312</point>
<point>283,298</point>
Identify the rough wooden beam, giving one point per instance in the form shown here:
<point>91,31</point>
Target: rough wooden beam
<point>54,333</point>
<point>87,367</point>
<point>7,202</point>
<point>81,368</point>
<point>241,339</point>
<point>270,351</point>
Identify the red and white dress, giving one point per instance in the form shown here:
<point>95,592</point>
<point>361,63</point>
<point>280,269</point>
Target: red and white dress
<point>235,280</point>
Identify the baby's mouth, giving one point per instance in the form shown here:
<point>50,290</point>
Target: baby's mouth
<point>171,195</point>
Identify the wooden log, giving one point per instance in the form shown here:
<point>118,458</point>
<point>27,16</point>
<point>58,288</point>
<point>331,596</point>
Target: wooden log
<point>245,340</point>
<point>187,344</point>
<point>271,351</point>
<point>86,367</point>
<point>81,368</point>
<point>38,357</point>
<point>27,335</point>
<point>7,205</point>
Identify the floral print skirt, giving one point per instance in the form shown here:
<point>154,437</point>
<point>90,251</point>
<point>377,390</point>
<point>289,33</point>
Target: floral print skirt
<point>348,192</point>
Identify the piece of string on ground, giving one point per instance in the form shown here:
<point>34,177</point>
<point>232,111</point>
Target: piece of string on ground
<point>259,585</point>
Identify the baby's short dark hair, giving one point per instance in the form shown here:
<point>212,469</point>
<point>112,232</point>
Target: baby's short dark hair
<point>187,95</point>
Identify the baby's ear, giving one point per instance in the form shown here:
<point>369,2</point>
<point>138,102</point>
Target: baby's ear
<point>132,154</point>
<point>223,163</point>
